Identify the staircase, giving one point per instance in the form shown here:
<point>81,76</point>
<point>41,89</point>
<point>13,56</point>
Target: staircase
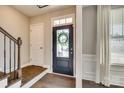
<point>10,63</point>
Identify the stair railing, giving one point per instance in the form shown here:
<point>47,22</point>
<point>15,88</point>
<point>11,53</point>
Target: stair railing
<point>14,71</point>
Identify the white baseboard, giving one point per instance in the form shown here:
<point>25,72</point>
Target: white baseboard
<point>63,75</point>
<point>89,76</point>
<point>46,66</point>
<point>89,67</point>
<point>117,84</point>
<point>27,64</point>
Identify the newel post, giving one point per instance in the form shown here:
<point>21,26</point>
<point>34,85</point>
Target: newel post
<point>19,71</point>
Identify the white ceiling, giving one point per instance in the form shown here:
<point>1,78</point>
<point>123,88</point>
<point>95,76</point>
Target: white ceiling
<point>33,10</point>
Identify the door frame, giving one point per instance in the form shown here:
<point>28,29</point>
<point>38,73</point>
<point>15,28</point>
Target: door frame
<point>74,42</point>
<point>70,58</point>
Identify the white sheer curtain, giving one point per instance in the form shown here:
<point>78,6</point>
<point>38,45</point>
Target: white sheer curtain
<point>103,67</point>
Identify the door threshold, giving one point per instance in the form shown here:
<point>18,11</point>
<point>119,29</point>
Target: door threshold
<point>63,75</point>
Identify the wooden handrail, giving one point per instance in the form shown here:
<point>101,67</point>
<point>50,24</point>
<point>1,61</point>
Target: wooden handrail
<point>17,72</point>
<point>8,35</point>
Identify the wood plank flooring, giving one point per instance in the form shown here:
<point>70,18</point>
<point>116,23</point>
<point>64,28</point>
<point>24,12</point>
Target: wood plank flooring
<point>55,81</point>
<point>30,72</point>
<point>1,74</point>
<point>91,84</point>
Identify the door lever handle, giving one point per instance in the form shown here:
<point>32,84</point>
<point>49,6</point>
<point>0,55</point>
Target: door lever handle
<point>71,52</point>
<point>41,47</point>
<point>71,49</point>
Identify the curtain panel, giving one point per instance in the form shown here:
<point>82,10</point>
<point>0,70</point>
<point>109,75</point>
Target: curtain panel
<point>103,54</point>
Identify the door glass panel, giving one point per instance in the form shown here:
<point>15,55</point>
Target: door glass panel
<point>63,43</point>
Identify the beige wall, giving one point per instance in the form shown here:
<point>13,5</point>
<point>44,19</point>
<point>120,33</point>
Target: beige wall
<point>89,29</point>
<point>17,25</point>
<point>46,19</point>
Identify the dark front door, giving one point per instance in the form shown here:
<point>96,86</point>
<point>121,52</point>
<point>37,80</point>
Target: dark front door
<point>63,49</point>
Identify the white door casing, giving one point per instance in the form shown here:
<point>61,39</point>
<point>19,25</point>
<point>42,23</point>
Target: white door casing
<point>37,44</point>
<point>79,70</point>
<point>74,36</point>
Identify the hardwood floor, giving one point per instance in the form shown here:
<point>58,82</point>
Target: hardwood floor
<point>55,81</point>
<point>30,72</point>
<point>1,74</point>
<point>91,84</point>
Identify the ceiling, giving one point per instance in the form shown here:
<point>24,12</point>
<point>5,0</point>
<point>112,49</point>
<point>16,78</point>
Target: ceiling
<point>33,10</point>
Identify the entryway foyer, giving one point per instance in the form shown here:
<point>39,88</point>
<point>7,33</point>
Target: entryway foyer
<point>63,46</point>
<point>31,49</point>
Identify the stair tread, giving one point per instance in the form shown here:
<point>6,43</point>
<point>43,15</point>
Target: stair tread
<point>30,72</point>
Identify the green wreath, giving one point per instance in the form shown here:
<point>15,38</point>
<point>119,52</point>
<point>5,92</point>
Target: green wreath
<point>62,40</point>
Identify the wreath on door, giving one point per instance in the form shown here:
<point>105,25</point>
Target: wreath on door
<point>63,38</point>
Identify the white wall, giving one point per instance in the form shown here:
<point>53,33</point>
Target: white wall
<point>89,29</point>
<point>17,25</point>
<point>89,49</point>
<point>89,42</point>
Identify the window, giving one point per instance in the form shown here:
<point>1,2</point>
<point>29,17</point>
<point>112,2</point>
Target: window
<point>56,22</point>
<point>63,21</point>
<point>68,20</point>
<point>117,36</point>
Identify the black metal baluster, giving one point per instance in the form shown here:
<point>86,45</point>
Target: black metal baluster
<point>4,54</point>
<point>10,58</point>
<point>14,60</point>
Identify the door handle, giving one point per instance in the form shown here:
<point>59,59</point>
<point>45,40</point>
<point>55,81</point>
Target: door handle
<point>71,52</point>
<point>41,47</point>
<point>71,49</point>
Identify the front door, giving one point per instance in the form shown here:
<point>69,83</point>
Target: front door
<point>63,49</point>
